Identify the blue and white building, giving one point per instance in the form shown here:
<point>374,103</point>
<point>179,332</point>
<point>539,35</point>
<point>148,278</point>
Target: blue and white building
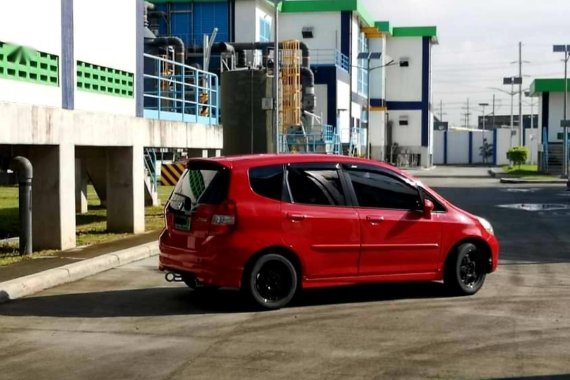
<point>72,101</point>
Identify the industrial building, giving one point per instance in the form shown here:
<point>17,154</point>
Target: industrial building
<point>85,101</point>
<point>72,101</point>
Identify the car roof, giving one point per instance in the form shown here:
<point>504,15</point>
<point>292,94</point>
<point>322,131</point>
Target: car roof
<point>251,160</point>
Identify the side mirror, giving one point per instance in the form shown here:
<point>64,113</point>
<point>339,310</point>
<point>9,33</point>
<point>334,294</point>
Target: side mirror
<point>428,207</point>
<point>187,204</point>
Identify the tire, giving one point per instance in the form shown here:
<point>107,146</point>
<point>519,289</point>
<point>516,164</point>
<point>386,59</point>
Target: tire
<point>465,270</point>
<point>272,281</point>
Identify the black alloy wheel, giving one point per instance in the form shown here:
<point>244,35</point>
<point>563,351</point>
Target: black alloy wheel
<point>272,281</point>
<point>465,270</point>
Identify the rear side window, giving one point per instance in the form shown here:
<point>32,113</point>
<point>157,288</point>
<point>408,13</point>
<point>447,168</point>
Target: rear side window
<point>379,190</point>
<point>267,181</point>
<point>315,186</point>
<point>206,184</point>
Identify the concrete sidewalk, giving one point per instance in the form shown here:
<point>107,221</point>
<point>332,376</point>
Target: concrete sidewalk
<point>450,172</point>
<point>32,276</point>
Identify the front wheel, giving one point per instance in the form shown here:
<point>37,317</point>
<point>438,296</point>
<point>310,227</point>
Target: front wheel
<point>272,281</point>
<point>465,270</point>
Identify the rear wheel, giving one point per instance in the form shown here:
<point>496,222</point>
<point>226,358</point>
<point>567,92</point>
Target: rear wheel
<point>272,281</point>
<point>465,270</point>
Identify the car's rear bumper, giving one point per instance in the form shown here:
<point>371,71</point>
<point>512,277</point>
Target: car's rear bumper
<point>210,266</point>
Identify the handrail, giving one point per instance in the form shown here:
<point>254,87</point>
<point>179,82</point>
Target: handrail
<point>174,88</point>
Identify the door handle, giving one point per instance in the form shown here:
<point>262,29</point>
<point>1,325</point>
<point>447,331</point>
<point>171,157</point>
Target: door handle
<point>296,217</point>
<point>374,219</point>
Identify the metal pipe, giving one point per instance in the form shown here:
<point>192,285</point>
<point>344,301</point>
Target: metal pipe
<point>23,168</point>
<point>170,41</point>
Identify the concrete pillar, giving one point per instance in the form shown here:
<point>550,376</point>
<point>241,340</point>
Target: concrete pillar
<point>218,152</point>
<point>80,187</point>
<point>125,189</point>
<point>94,160</point>
<point>204,153</point>
<point>53,200</point>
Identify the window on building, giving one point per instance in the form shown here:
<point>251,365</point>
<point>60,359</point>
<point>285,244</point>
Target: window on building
<point>362,72</point>
<point>264,29</point>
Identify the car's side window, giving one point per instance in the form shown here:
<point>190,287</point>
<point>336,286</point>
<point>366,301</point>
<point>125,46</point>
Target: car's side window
<point>315,186</point>
<point>379,190</point>
<point>267,181</point>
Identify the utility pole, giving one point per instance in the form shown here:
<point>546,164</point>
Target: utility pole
<point>441,110</point>
<point>493,111</point>
<point>521,126</point>
<point>467,114</point>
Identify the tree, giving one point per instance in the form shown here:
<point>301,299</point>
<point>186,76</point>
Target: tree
<point>486,150</point>
<point>518,155</point>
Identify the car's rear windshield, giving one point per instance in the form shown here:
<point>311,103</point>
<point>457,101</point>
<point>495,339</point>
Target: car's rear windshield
<point>201,183</point>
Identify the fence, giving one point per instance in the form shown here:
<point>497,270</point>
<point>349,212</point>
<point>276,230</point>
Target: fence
<point>178,92</point>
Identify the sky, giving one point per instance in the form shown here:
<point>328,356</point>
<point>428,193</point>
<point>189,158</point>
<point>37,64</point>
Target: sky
<point>478,46</point>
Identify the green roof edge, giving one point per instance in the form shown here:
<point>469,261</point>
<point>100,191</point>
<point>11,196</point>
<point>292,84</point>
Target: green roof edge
<point>548,85</point>
<point>414,31</point>
<point>383,26</point>
<point>299,6</point>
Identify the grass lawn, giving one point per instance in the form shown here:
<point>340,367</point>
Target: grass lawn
<point>91,226</point>
<point>526,171</point>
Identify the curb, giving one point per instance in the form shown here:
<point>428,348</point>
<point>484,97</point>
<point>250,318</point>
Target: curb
<point>34,283</point>
<point>519,180</point>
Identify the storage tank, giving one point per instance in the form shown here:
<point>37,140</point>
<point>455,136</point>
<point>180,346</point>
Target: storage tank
<point>247,126</point>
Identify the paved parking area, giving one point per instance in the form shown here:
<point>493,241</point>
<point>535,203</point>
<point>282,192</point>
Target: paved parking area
<point>129,323</point>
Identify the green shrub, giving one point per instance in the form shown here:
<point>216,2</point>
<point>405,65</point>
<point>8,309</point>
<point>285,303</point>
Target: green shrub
<point>518,155</point>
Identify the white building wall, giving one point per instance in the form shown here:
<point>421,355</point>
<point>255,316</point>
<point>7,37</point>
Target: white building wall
<point>37,25</point>
<point>354,53</point>
<point>404,83</point>
<point>409,135</point>
<point>321,108</point>
<point>246,23</point>
<point>555,114</point>
<point>457,147</point>
<point>326,33</point>
<point>343,103</point>
<point>96,42</point>
<point>439,147</point>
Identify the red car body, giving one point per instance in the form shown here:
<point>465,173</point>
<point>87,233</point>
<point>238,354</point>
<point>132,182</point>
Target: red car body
<point>345,242</point>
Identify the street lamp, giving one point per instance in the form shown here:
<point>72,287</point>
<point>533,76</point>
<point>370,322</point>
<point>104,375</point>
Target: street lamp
<point>276,74</point>
<point>564,123</point>
<point>483,105</point>
<point>512,81</point>
<point>368,56</point>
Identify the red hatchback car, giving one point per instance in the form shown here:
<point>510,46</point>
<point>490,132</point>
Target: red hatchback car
<point>274,224</point>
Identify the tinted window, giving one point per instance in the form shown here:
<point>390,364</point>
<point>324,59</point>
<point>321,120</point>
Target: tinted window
<point>200,185</point>
<point>267,181</point>
<point>379,190</point>
<point>315,186</point>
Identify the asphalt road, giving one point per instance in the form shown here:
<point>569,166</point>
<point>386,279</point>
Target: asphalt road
<point>128,323</point>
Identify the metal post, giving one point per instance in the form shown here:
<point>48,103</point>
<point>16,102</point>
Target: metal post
<point>565,129</point>
<point>521,126</point>
<point>23,168</point>
<point>368,110</point>
<point>276,76</point>
<point>512,118</point>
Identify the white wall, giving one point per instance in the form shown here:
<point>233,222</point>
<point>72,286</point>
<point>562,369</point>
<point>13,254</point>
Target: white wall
<point>326,33</point>
<point>322,103</point>
<point>106,38</point>
<point>354,52</point>
<point>438,151</point>
<point>404,83</point>
<point>35,24</point>
<point>343,103</point>
<point>409,135</point>
<point>555,114</point>
<point>457,147</point>
<point>246,23</point>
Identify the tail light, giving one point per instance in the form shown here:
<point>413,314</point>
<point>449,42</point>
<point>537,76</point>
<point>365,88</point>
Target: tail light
<point>223,219</point>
